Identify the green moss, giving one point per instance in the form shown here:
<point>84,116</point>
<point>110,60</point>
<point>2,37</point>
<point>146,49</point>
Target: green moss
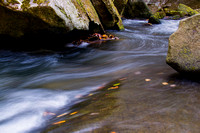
<point>160,15</point>
<point>41,1</point>
<point>186,10</point>
<point>25,5</point>
<point>13,2</point>
<point>48,15</point>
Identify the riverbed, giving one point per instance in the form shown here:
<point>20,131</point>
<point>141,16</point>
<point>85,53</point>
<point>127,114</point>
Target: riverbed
<point>121,86</point>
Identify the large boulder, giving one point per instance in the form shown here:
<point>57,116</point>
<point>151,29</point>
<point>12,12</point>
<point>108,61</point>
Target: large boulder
<point>136,9</point>
<point>108,14</point>
<point>65,14</point>
<point>120,5</point>
<point>59,20</point>
<point>184,46</point>
<point>155,5</point>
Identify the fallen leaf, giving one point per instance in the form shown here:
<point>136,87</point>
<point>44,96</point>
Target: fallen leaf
<point>73,113</point>
<point>117,84</point>
<point>147,80</point>
<point>164,83</point>
<point>61,115</point>
<point>48,113</point>
<point>123,79</point>
<point>137,73</point>
<point>173,85</point>
<point>59,122</point>
<point>90,94</point>
<point>112,88</point>
<point>78,96</point>
<point>94,114</point>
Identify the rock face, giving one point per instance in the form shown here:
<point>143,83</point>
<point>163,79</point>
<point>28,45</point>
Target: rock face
<point>108,13</point>
<point>120,5</point>
<point>136,9</point>
<point>184,46</point>
<point>31,19</point>
<point>65,14</point>
<point>155,5</point>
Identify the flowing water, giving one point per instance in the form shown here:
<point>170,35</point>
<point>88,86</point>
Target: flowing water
<point>119,86</point>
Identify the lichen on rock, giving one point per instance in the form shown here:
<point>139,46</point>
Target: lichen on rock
<point>184,46</point>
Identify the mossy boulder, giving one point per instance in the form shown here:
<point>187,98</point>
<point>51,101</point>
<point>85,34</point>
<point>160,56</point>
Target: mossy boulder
<point>184,46</point>
<point>120,5</point>
<point>136,9</point>
<point>108,14</point>
<point>66,18</point>
<point>154,20</point>
<point>186,10</point>
<point>155,5</point>
<point>160,14</point>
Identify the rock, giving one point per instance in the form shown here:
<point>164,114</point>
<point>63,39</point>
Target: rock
<point>43,20</point>
<point>160,14</point>
<point>120,5</point>
<point>136,9</point>
<point>155,5</point>
<point>186,10</point>
<point>154,20</point>
<point>108,14</point>
<point>184,46</point>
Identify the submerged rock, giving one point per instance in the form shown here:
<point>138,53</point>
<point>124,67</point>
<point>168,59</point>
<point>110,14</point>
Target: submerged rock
<point>184,46</point>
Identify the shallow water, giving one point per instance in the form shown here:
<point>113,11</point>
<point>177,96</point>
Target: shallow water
<point>35,89</point>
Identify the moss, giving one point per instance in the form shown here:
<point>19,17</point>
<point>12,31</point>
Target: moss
<point>120,5</point>
<point>25,5</point>
<point>13,2</point>
<point>186,10</point>
<point>41,1</point>
<point>154,20</point>
<point>108,14</point>
<point>160,14</point>
<point>136,9</point>
<point>48,15</point>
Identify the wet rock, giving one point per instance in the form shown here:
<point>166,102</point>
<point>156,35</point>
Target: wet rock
<point>155,5</point>
<point>44,20</point>
<point>186,10</point>
<point>184,46</point>
<point>136,9</point>
<point>108,14</point>
<point>154,20</point>
<point>120,5</point>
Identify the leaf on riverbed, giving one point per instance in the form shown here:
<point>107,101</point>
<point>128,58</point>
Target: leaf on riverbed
<point>61,115</point>
<point>117,84</point>
<point>123,79</point>
<point>112,88</point>
<point>48,113</point>
<point>90,94</point>
<point>73,113</point>
<point>59,122</point>
<point>147,80</point>
<point>164,83</point>
<point>173,85</point>
<point>94,114</point>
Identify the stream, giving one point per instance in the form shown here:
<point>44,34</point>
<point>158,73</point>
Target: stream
<point>118,86</point>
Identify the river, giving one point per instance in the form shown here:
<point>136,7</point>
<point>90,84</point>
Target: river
<point>121,86</point>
